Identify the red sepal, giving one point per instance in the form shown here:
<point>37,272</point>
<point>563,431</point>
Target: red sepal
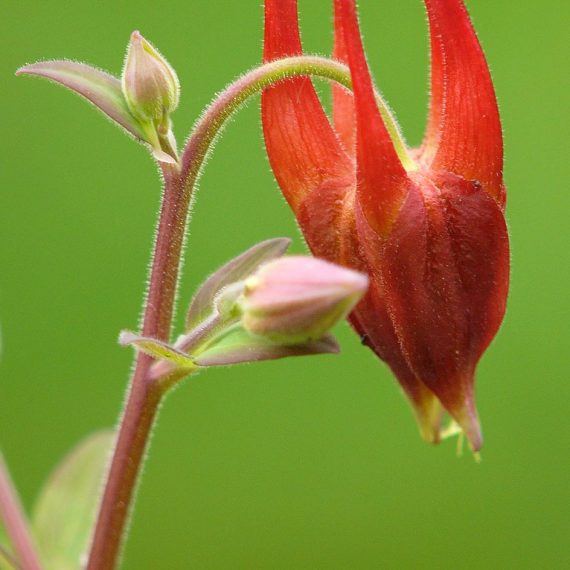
<point>464,130</point>
<point>382,182</point>
<point>303,149</point>
<point>343,100</point>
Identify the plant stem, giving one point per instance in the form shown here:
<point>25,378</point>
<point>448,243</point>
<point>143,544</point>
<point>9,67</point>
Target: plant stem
<point>144,396</point>
<point>233,97</point>
<point>145,392</point>
<point>17,527</point>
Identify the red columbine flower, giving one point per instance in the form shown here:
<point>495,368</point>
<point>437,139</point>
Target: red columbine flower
<point>426,224</point>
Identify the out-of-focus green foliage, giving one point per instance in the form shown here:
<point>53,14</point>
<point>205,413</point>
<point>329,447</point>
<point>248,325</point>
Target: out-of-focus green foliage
<point>66,507</point>
<point>5,549</point>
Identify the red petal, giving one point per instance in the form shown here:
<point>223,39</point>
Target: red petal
<point>303,149</point>
<point>464,130</point>
<point>371,321</point>
<point>381,178</point>
<point>343,101</point>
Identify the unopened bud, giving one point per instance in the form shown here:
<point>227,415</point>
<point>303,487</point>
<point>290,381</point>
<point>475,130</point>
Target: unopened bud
<point>150,85</point>
<point>295,299</point>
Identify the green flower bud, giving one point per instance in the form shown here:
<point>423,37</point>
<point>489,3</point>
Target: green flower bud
<point>297,299</point>
<point>150,85</point>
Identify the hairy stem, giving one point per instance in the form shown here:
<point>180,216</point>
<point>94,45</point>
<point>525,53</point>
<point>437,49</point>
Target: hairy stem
<point>15,522</point>
<point>144,395</point>
<point>146,391</point>
<point>234,96</point>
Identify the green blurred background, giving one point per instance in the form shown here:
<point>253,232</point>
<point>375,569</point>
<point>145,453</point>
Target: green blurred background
<point>300,464</point>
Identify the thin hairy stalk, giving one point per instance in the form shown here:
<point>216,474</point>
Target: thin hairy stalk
<point>15,522</point>
<point>144,395</point>
<point>250,84</point>
<point>146,391</point>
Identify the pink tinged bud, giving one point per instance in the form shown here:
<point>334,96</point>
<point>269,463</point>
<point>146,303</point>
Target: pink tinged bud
<point>152,91</point>
<point>297,299</point>
<point>149,83</point>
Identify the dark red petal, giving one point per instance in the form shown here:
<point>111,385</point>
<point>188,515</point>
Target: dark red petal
<point>371,321</point>
<point>342,100</point>
<point>381,178</point>
<point>303,149</point>
<point>444,270</point>
<point>464,129</point>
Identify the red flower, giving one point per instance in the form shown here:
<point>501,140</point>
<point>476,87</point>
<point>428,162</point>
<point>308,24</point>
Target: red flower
<point>426,224</point>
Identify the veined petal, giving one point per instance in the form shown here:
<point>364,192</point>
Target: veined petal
<point>464,129</point>
<point>381,178</point>
<point>371,321</point>
<point>343,100</point>
<point>303,149</point>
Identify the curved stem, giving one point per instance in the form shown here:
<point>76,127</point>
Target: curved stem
<point>233,97</point>
<point>145,392</point>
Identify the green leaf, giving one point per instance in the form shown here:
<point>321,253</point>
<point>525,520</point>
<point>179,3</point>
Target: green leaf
<point>235,270</point>
<point>64,513</point>
<point>240,346</point>
<point>97,86</point>
<point>157,349</point>
<point>4,541</point>
<point>6,561</point>
<point>6,553</point>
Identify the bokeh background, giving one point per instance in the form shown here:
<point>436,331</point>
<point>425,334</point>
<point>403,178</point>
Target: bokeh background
<point>300,464</point>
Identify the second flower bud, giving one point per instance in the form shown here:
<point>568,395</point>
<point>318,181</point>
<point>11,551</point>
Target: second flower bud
<point>296,299</point>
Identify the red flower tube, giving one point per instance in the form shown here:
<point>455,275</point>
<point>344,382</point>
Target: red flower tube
<point>427,225</point>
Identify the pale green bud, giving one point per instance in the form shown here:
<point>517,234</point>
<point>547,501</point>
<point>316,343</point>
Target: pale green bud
<point>297,299</point>
<point>150,85</point>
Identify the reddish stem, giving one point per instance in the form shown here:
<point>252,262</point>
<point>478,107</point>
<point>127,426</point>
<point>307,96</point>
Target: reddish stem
<point>12,514</point>
<point>144,395</point>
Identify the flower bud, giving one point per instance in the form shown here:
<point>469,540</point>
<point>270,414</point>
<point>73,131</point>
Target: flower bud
<point>295,299</point>
<point>149,83</point>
